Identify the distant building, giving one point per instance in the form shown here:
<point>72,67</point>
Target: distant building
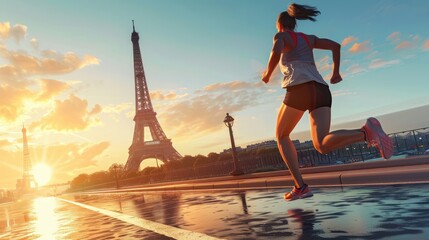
<point>304,145</point>
<point>229,150</point>
<point>262,145</point>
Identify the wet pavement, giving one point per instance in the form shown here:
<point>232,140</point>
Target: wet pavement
<point>375,212</point>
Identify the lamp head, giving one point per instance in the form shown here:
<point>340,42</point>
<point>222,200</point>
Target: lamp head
<point>229,121</point>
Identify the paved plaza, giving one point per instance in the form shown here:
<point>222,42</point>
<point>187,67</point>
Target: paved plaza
<point>375,200</point>
<point>371,212</point>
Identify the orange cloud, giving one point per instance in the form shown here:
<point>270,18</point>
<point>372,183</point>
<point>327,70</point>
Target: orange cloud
<point>426,45</point>
<point>404,45</point>
<point>12,101</point>
<point>360,47</point>
<point>70,114</point>
<point>8,73</point>
<point>412,42</point>
<point>160,95</point>
<point>4,143</point>
<point>50,88</point>
<point>16,32</point>
<point>348,40</point>
<point>394,37</point>
<point>235,85</point>
<point>204,113</point>
<point>52,63</point>
<point>15,94</point>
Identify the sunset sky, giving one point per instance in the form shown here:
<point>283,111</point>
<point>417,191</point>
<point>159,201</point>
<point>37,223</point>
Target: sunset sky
<point>66,72</point>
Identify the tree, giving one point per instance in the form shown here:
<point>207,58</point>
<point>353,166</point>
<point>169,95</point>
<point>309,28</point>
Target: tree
<point>225,157</point>
<point>147,171</point>
<point>213,157</point>
<point>98,177</point>
<point>200,160</point>
<point>172,165</point>
<point>116,170</point>
<point>188,161</point>
<point>80,181</point>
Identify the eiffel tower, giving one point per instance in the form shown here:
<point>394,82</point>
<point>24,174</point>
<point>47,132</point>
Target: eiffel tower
<point>159,147</point>
<point>24,184</point>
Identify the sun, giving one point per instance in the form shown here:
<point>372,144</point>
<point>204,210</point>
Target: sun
<point>42,174</point>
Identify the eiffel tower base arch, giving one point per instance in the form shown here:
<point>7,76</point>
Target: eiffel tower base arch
<point>162,150</point>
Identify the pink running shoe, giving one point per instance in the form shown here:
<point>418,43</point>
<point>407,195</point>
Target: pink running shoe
<point>295,194</point>
<point>375,136</point>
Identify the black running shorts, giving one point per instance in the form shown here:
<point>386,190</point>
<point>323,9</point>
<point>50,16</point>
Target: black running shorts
<point>308,96</point>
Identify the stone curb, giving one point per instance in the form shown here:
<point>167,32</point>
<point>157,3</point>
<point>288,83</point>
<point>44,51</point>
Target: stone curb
<point>400,174</point>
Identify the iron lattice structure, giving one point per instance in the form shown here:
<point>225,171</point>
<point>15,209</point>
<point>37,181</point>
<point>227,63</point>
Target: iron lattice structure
<point>160,146</point>
<point>27,176</point>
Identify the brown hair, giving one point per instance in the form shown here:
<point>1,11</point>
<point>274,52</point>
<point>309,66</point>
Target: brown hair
<point>296,11</point>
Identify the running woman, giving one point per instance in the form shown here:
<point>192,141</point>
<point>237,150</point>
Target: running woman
<point>307,90</point>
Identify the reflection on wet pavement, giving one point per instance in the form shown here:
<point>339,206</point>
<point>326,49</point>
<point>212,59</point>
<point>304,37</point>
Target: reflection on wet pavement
<point>49,218</point>
<point>379,212</point>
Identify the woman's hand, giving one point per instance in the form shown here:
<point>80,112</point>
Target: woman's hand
<point>336,78</point>
<point>266,77</point>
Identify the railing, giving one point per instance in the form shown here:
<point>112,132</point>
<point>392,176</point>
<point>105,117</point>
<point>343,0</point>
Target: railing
<point>412,142</point>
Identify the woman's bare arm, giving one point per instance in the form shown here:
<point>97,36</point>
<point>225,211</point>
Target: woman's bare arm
<point>327,44</point>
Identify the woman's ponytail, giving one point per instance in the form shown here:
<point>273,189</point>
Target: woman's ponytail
<point>287,19</point>
<point>302,12</point>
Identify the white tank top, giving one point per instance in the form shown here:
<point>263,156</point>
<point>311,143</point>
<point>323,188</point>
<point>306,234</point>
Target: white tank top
<point>298,65</point>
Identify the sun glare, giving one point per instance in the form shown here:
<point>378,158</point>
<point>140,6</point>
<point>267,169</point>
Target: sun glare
<point>42,174</point>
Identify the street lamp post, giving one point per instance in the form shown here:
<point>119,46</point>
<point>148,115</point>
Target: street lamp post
<point>115,166</point>
<point>229,121</point>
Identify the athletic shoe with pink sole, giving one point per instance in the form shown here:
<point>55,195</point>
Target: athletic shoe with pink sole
<point>295,194</point>
<point>375,136</point>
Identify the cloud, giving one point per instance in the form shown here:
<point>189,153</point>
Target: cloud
<point>394,37</point>
<point>50,62</point>
<point>404,45</point>
<point>35,43</point>
<point>9,73</point>
<point>15,97</point>
<point>4,143</point>
<point>426,45</point>
<point>411,42</point>
<point>70,114</point>
<point>360,47</point>
<point>50,88</point>
<point>354,69</point>
<point>204,111</point>
<point>160,95</point>
<point>20,72</point>
<point>348,40</point>
<point>16,32</point>
<point>323,64</point>
<point>116,110</point>
<point>379,63</point>
<point>4,30</point>
<point>235,85</point>
<point>67,159</point>
<point>338,93</point>
<point>12,102</point>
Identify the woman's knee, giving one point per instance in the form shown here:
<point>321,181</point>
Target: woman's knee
<point>322,149</point>
<point>281,135</point>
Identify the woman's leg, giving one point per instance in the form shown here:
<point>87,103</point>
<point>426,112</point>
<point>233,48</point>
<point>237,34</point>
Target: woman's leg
<point>287,119</point>
<point>325,141</point>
